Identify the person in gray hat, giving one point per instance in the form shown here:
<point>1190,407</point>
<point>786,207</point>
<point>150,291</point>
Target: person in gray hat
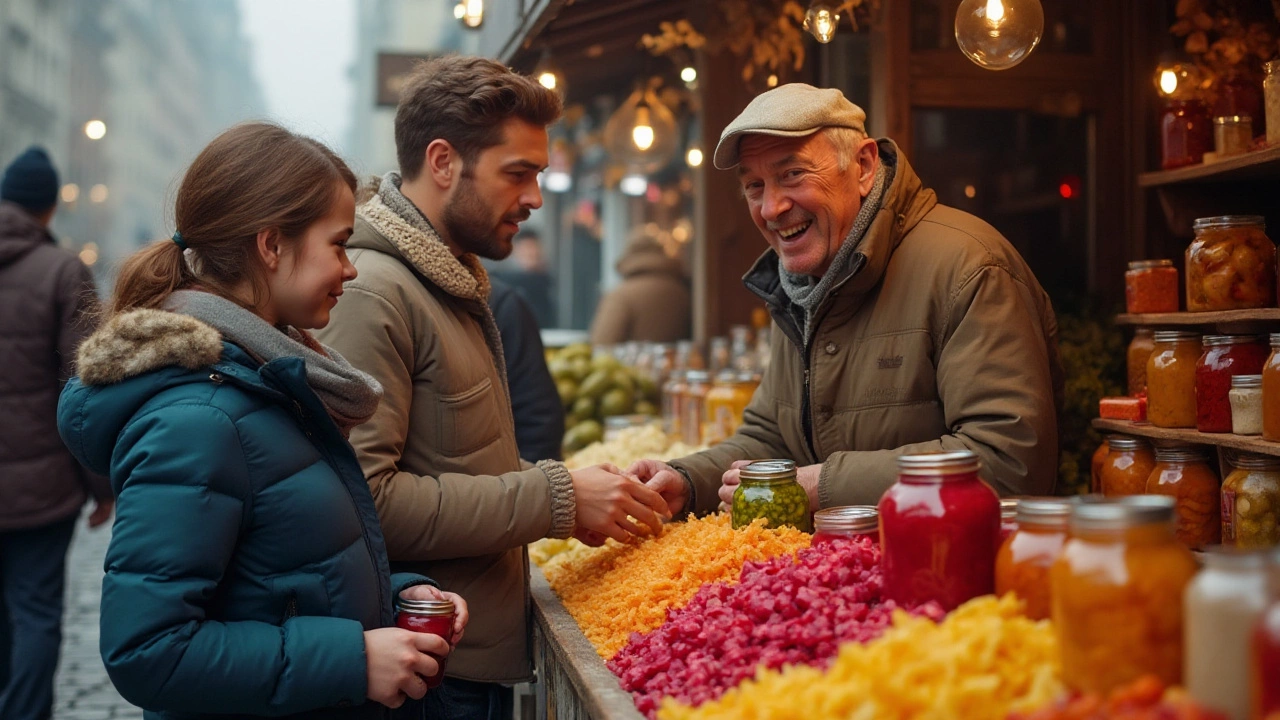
<point>905,326</point>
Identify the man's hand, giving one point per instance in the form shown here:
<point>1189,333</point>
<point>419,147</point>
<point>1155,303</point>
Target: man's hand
<point>807,476</point>
<point>102,510</point>
<point>605,498</point>
<point>666,481</point>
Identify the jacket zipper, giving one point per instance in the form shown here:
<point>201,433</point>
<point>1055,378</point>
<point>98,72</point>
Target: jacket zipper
<point>291,607</point>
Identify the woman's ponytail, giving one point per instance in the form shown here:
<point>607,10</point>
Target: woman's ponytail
<point>149,276</point>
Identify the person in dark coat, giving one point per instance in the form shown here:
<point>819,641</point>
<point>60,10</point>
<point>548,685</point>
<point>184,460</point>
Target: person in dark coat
<point>46,307</point>
<point>535,403</point>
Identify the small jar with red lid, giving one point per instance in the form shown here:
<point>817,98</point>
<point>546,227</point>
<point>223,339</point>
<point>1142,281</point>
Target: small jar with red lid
<point>428,616</point>
<point>849,521</point>
<point>939,531</point>
<point>1224,357</point>
<point>1151,286</point>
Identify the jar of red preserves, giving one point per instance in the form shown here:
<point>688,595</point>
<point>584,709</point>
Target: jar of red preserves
<point>1224,357</point>
<point>939,531</point>
<point>1265,664</point>
<point>849,521</point>
<point>1185,133</point>
<point>1151,286</point>
<point>428,616</point>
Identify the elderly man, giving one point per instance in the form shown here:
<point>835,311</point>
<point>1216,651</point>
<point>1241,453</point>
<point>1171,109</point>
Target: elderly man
<point>904,326</point>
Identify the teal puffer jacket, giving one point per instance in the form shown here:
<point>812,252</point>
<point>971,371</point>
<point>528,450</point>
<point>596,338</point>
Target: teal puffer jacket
<point>246,560</point>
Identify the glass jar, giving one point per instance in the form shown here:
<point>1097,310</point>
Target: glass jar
<point>1008,519</point>
<point>726,403</point>
<point>616,425</point>
<point>849,521</point>
<point>721,355</point>
<point>1185,133</point>
<point>1231,264</point>
<point>1099,457</point>
<point>1239,93</point>
<point>1171,379</point>
<point>768,489</point>
<point>1117,594</point>
<point>1223,603</point>
<point>939,530</point>
<point>1271,392</point>
<point>1182,472</point>
<point>693,408</point>
<point>1140,347</point>
<point>428,616</point>
<point>1224,356</point>
<point>673,391</point>
<point>1232,134</point>
<point>1151,286</point>
<point>1127,466</point>
<point>1024,561</point>
<point>1251,502</point>
<point>1246,404</point>
<point>1271,99</point>
<point>1265,659</point>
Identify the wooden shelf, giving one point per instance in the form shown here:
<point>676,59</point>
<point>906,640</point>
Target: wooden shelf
<point>1248,443</point>
<point>1249,166</point>
<point>1199,319</point>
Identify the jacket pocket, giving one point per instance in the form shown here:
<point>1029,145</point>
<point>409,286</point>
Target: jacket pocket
<point>468,421</point>
<point>301,594</point>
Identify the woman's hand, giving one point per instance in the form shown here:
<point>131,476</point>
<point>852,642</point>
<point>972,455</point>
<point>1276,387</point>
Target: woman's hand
<point>397,660</point>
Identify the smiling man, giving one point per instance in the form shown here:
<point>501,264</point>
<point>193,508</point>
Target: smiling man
<point>905,326</point>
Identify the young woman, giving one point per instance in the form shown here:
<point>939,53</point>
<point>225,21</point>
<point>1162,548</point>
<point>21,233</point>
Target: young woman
<point>247,574</point>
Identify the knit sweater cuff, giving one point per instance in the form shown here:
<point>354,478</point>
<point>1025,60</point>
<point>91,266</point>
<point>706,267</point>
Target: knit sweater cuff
<point>564,508</point>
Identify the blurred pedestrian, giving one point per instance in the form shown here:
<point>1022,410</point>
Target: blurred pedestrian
<point>529,276</point>
<point>651,304</point>
<point>535,402</point>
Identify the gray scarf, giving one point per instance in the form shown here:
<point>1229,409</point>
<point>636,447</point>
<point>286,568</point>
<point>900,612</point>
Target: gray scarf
<point>348,394</point>
<point>808,292</point>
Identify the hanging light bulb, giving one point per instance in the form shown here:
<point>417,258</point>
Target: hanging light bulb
<point>822,21</point>
<point>641,134</point>
<point>470,12</point>
<point>689,74</point>
<point>549,76</point>
<point>998,34</point>
<point>1177,81</point>
<point>694,157</point>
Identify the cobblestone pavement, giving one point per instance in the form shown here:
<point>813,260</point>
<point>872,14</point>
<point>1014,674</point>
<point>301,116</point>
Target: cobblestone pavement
<point>83,691</point>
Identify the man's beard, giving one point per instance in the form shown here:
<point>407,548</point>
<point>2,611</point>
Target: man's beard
<point>468,223</point>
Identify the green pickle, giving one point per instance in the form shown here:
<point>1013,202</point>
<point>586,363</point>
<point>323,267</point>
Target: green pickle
<point>768,489</point>
<point>1251,502</point>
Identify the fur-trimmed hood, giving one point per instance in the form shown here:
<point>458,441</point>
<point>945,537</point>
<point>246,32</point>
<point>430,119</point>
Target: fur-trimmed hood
<point>139,341</point>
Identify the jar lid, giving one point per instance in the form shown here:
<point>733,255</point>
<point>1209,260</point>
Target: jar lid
<point>1122,513</point>
<point>748,377</point>
<point>1256,461</point>
<point>1180,453</point>
<point>1221,557</point>
<point>433,608</point>
<point>769,470</point>
<point>1246,381</point>
<point>698,376</point>
<point>1275,337</point>
<point>934,464</point>
<point>622,422</point>
<point>1229,221</point>
<point>1145,264</point>
<point>848,518</point>
<point>1176,336</point>
<point>1230,339</point>
<point>726,377</point>
<point>1126,442</point>
<point>1008,508</point>
<point>1232,119</point>
<point>1044,511</point>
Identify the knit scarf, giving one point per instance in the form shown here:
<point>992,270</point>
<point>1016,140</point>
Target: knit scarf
<point>807,292</point>
<point>349,395</point>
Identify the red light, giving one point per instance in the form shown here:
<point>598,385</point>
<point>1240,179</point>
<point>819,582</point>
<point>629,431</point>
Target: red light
<point>1069,187</point>
<point>1065,191</point>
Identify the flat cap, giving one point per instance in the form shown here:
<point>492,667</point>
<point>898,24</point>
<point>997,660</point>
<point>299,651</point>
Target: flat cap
<point>791,110</point>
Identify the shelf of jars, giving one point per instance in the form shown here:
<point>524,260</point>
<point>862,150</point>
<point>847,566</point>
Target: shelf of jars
<point>1194,319</point>
<point>1248,443</point>
<point>1259,164</point>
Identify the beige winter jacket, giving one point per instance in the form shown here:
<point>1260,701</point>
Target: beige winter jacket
<point>455,500</point>
<point>938,338</point>
<point>651,304</point>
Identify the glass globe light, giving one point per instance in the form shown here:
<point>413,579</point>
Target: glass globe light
<point>641,134</point>
<point>1177,81</point>
<point>822,21</point>
<point>998,34</point>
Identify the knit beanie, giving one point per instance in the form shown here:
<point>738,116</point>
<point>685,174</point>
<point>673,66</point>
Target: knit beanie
<point>31,181</point>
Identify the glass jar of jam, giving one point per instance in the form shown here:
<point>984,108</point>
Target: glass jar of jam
<point>428,616</point>
<point>1182,472</point>
<point>694,406</point>
<point>1224,356</point>
<point>1231,264</point>
<point>673,391</point>
<point>1185,133</point>
<point>1008,518</point>
<point>1246,404</point>
<point>1271,393</point>
<point>1127,466</point>
<point>1171,379</point>
<point>848,521</point>
<point>768,489</point>
<point>1117,593</point>
<point>1140,347</point>
<point>1251,503</point>
<point>939,529</point>
<point>1151,286</point>
<point>1223,603</point>
<point>1264,661</point>
<point>1099,457</point>
<point>1023,565</point>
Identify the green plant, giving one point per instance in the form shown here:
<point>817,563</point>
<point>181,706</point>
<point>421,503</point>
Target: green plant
<point>1093,358</point>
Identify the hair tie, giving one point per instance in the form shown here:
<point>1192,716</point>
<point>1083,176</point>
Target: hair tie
<point>177,240</point>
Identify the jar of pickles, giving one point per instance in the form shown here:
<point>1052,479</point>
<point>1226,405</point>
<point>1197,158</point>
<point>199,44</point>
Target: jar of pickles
<point>1251,502</point>
<point>768,489</point>
<point>1182,472</point>
<point>1140,347</point>
<point>1095,469</point>
<point>849,521</point>
<point>1231,264</point>
<point>693,408</point>
<point>1171,379</point>
<point>939,531</point>
<point>1117,593</point>
<point>1271,392</point>
<point>1223,603</point>
<point>1024,561</point>
<point>1224,356</point>
<point>1151,286</point>
<point>1127,466</point>
<point>726,402</point>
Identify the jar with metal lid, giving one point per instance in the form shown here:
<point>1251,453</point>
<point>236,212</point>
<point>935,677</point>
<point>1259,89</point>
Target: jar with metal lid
<point>1271,392</point>
<point>694,406</point>
<point>1223,603</point>
<point>1127,467</point>
<point>1271,100</point>
<point>1185,133</point>
<point>1171,379</point>
<point>848,521</point>
<point>1139,352</point>
<point>1117,593</point>
<point>1232,134</point>
<point>768,489</point>
<point>939,531</point>
<point>1246,404</point>
<point>1151,286</point>
<point>1251,502</point>
<point>1095,466</point>
<point>1024,561</point>
<point>616,425</point>
<point>1224,356</point>
<point>1182,472</point>
<point>428,616</point>
<point>1231,264</point>
<point>1008,518</point>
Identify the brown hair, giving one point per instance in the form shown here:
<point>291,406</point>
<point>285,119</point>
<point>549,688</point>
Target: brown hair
<point>252,177</point>
<point>464,100</point>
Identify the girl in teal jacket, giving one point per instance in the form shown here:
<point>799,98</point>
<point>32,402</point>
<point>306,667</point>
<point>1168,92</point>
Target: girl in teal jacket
<point>247,575</point>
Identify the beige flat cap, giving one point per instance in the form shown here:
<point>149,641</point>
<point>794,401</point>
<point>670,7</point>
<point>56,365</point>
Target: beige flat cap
<point>791,110</point>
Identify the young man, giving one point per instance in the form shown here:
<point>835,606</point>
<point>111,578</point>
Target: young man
<point>440,454</point>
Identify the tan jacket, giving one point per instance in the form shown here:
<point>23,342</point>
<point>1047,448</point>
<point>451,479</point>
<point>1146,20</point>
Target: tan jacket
<point>440,453</point>
<point>939,338</point>
<point>651,304</point>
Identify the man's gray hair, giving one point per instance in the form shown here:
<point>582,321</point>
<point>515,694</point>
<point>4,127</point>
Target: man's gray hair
<point>845,140</point>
